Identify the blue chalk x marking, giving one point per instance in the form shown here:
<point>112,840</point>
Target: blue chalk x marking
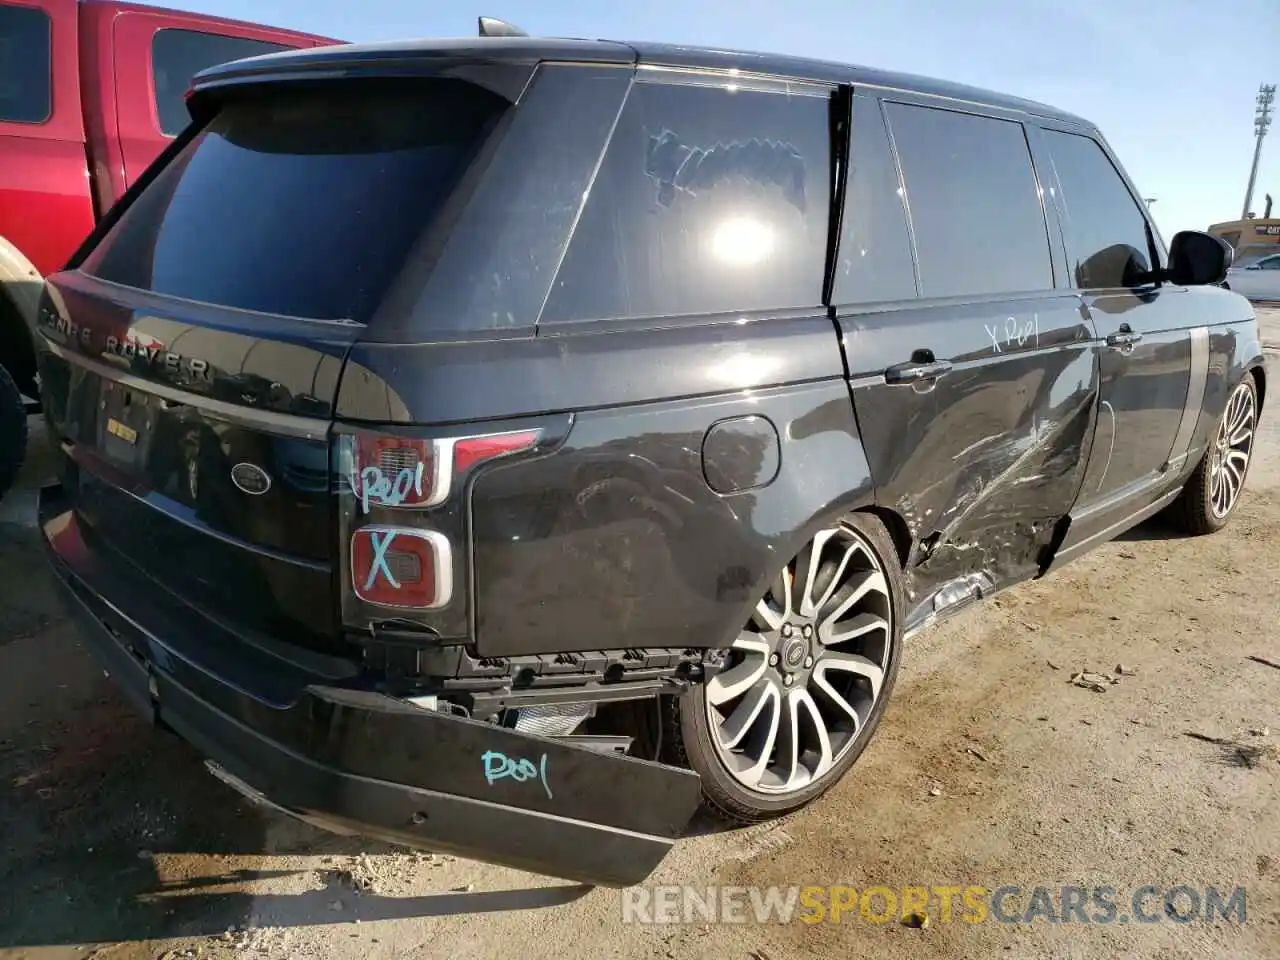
<point>379,564</point>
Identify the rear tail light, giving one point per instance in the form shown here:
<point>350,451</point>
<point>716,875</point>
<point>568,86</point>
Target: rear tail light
<point>407,566</point>
<point>470,451</point>
<point>401,567</point>
<point>396,472</point>
<point>402,472</point>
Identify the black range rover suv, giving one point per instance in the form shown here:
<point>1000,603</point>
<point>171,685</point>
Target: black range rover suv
<point>503,446</point>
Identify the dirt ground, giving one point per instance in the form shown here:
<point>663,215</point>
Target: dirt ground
<point>990,768</point>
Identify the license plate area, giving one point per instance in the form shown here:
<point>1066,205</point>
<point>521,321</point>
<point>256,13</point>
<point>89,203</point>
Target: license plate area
<point>125,425</point>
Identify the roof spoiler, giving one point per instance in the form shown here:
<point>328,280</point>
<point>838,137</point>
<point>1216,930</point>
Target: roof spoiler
<point>493,27</point>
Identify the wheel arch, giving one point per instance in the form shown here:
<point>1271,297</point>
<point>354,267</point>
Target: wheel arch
<point>857,502</point>
<point>1259,373</point>
<point>899,532</point>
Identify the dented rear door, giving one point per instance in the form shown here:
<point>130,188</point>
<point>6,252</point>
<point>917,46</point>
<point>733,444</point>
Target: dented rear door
<point>975,391</point>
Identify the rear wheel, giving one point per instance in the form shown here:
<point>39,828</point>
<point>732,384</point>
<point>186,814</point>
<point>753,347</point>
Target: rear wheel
<point>806,681</point>
<point>1211,495</point>
<point>13,431</point>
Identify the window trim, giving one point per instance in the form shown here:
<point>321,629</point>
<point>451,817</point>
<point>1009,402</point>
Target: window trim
<point>1156,245</point>
<point>869,103</point>
<point>840,147</point>
<point>50,46</point>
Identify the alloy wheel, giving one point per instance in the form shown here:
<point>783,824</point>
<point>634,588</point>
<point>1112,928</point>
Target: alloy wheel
<point>803,676</point>
<point>1232,448</point>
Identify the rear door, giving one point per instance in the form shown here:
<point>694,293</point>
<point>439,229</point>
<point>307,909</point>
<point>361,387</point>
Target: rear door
<point>197,347</point>
<point>1155,346</point>
<point>972,372</point>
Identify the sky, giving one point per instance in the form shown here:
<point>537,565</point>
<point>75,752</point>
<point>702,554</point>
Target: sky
<point>1171,84</point>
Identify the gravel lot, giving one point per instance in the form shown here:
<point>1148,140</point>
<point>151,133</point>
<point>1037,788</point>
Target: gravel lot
<point>990,768</point>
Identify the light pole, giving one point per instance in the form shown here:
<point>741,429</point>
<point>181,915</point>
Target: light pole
<point>1261,122</point>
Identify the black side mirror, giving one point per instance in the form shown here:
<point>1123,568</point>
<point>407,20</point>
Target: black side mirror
<point>1197,259</point>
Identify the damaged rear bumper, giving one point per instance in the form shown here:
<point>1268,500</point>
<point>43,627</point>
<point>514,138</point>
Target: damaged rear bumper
<point>359,762</point>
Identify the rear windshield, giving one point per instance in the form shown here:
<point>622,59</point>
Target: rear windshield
<point>305,205</point>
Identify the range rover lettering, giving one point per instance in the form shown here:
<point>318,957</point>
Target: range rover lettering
<point>623,409</point>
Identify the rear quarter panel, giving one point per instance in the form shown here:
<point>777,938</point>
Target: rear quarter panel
<point>616,539</point>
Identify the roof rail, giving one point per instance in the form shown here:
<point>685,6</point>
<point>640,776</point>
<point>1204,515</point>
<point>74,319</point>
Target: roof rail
<point>493,27</point>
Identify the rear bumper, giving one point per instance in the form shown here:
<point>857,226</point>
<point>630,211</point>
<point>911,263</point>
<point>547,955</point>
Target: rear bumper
<point>355,761</point>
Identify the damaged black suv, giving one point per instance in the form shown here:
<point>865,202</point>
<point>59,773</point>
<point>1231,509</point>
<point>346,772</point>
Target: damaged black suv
<point>503,446</point>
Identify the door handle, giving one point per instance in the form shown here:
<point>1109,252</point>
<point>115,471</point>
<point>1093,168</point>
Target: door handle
<point>914,371</point>
<point>1125,338</point>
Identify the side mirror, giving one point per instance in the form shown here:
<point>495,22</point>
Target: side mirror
<point>1197,259</point>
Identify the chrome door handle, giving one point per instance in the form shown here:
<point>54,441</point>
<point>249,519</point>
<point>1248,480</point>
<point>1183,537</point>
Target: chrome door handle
<point>913,372</point>
<point>1123,339</point>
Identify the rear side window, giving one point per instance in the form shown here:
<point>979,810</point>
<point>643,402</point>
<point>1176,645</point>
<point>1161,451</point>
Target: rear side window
<point>1105,229</point>
<point>26,84</point>
<point>305,205</point>
<point>875,247</point>
<point>976,213</point>
<point>709,199</point>
<point>178,55</point>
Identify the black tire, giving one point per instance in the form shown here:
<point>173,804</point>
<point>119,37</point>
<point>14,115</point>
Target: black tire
<point>13,431</point>
<point>1194,511</point>
<point>690,736</point>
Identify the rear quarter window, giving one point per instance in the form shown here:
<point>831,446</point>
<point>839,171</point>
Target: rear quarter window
<point>710,199</point>
<point>178,55</point>
<point>26,79</point>
<point>304,205</point>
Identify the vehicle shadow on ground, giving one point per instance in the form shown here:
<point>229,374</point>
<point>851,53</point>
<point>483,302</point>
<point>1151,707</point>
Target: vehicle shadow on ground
<point>1163,526</point>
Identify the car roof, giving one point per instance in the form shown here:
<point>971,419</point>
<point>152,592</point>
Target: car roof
<point>536,49</point>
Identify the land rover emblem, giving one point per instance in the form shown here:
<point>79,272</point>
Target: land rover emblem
<point>250,478</point>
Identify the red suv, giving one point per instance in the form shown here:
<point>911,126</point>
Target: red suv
<point>90,93</point>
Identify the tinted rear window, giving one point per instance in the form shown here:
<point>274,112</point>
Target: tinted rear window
<point>304,206</point>
<point>178,55</point>
<point>25,84</point>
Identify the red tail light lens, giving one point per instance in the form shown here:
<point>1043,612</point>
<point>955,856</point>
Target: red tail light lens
<point>398,472</point>
<point>402,472</point>
<point>469,451</point>
<point>406,566</point>
<point>401,567</point>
